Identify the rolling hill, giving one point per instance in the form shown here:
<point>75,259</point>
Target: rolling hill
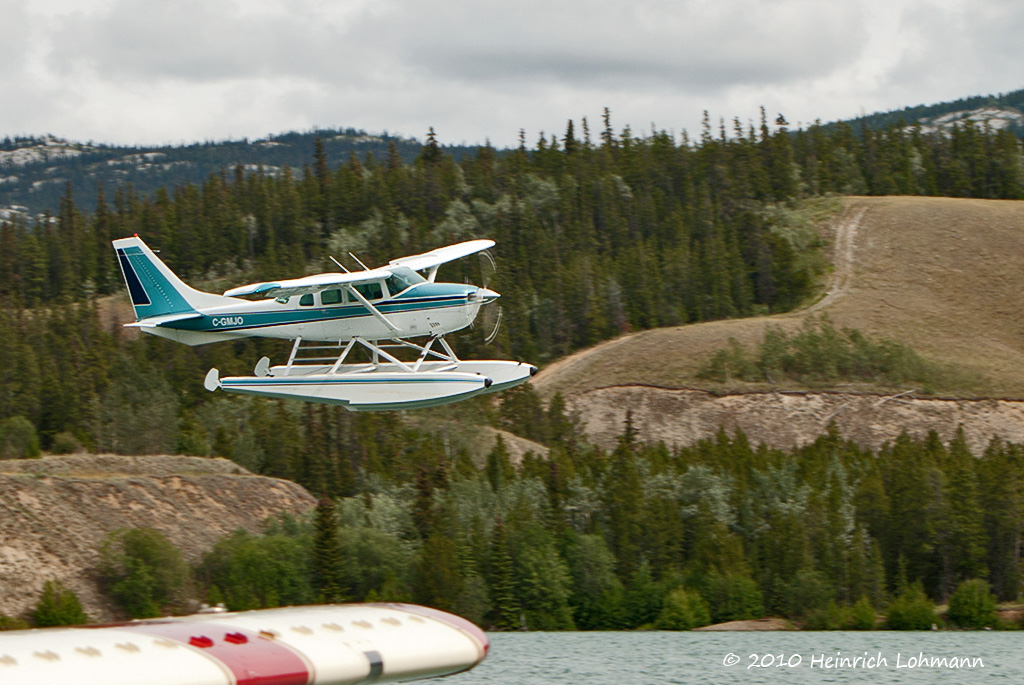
<point>942,276</point>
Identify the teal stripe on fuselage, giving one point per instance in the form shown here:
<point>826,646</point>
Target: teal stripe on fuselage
<point>243,321</point>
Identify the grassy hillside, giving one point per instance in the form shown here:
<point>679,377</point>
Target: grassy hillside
<point>942,276</point>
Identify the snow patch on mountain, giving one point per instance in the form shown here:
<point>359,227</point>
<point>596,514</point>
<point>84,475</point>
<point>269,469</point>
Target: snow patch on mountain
<point>44,150</point>
<point>995,117</point>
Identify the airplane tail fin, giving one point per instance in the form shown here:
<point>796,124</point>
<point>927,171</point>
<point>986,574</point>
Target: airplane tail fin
<point>154,289</point>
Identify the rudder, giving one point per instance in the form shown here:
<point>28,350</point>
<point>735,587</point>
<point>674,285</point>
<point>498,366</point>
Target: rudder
<point>154,289</point>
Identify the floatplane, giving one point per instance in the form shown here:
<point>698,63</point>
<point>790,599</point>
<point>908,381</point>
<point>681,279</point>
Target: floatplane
<point>327,316</point>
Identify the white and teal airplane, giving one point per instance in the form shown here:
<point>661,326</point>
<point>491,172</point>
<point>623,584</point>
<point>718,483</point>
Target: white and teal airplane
<point>379,309</point>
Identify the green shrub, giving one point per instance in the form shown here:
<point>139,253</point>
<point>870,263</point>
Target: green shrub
<point>819,353</point>
<point>18,439</point>
<point>683,610</point>
<point>862,616</point>
<point>248,571</point>
<point>733,597</point>
<point>728,364</point>
<point>973,605</point>
<point>144,573</point>
<point>806,592</point>
<point>11,623</point>
<point>65,443</point>
<point>58,606</point>
<point>911,610</point>
<point>831,617</point>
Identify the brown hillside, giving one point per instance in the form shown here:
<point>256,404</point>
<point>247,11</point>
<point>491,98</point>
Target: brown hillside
<point>943,276</point>
<point>55,512</point>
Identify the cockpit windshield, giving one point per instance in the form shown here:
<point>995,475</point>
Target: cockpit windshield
<point>402,279</point>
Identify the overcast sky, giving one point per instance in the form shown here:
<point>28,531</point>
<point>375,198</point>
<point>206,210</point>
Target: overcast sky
<point>171,71</point>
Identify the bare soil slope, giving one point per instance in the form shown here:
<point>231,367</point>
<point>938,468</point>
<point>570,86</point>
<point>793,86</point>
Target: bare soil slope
<point>943,276</point>
<point>55,512</point>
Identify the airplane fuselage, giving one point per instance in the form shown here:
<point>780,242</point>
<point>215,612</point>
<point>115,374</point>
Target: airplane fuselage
<point>425,309</point>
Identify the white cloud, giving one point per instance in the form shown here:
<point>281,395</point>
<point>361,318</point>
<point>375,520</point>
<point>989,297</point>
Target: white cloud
<point>962,48</point>
<point>14,45</point>
<point>179,70</point>
<point>705,44</point>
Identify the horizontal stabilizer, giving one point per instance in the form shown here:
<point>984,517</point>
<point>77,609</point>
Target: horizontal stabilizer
<point>212,380</point>
<point>154,321</point>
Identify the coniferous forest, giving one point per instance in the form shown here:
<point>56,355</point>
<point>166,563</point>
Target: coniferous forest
<point>598,232</point>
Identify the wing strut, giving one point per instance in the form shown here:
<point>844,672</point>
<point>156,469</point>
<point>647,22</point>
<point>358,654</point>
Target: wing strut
<point>373,310</point>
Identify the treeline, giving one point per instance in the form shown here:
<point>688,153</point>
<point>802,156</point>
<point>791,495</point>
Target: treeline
<point>593,540</point>
<point>829,534</point>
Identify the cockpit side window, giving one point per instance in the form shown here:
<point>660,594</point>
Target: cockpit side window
<point>331,297</point>
<point>371,291</point>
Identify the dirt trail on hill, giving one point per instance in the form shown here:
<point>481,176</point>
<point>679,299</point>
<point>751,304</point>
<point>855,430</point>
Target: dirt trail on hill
<point>842,275</point>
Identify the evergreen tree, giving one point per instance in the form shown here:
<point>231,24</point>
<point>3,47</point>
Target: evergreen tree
<point>502,585</point>
<point>58,606</point>
<point>328,563</point>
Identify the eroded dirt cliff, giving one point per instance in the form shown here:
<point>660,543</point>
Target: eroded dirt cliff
<point>785,420</point>
<point>55,512</point>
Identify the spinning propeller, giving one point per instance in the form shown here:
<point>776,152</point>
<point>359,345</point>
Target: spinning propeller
<point>489,316</point>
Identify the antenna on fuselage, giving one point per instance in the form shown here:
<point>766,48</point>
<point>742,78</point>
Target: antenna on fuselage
<point>340,265</point>
<point>365,268</point>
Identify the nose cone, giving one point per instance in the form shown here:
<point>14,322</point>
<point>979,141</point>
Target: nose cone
<point>485,295</point>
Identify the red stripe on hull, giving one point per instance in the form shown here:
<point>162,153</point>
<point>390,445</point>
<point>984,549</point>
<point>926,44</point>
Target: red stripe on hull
<point>251,657</point>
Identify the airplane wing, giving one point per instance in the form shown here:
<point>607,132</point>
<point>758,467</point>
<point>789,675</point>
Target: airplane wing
<point>307,284</point>
<point>435,258</point>
<point>312,284</point>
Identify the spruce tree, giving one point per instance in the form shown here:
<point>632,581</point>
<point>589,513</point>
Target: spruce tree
<point>502,584</point>
<point>328,562</point>
<point>58,606</point>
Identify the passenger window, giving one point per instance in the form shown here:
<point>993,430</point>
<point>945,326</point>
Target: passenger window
<point>371,291</point>
<point>330,297</point>
<point>306,300</point>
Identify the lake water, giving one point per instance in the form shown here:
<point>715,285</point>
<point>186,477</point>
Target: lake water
<point>612,658</point>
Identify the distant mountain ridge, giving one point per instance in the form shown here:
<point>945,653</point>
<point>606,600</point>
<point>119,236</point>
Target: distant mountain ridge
<point>1000,111</point>
<point>35,171</point>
